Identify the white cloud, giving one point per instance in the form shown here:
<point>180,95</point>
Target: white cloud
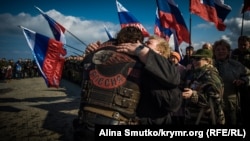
<point>205,26</point>
<point>92,30</point>
<point>234,26</point>
<point>86,31</point>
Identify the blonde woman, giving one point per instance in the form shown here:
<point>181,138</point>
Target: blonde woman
<point>160,81</point>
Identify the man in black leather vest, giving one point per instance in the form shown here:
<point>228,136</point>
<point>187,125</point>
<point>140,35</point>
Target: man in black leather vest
<point>110,86</point>
<point>150,71</point>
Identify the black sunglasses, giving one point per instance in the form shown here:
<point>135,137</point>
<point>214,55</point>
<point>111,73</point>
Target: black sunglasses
<point>197,58</point>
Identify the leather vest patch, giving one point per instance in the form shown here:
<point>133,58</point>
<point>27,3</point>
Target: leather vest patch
<point>111,81</point>
<point>106,82</point>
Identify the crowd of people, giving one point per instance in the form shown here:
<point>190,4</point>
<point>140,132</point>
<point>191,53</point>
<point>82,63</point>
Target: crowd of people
<point>231,77</point>
<point>27,68</point>
<point>22,68</point>
<point>126,81</point>
<point>209,86</point>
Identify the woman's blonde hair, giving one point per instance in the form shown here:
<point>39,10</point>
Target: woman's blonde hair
<point>162,46</point>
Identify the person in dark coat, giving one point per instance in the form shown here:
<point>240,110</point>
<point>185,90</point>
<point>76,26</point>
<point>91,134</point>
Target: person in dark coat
<point>235,76</point>
<point>160,92</point>
<point>160,95</point>
<point>110,86</point>
<point>242,54</point>
<point>187,58</point>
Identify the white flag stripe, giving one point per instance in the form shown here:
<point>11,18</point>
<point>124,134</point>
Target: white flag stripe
<point>29,36</point>
<point>120,8</point>
<point>221,3</point>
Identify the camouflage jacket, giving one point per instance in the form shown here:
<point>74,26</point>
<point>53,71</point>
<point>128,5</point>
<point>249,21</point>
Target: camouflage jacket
<point>207,98</point>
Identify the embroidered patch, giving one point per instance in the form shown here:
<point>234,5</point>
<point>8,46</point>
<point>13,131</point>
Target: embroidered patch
<point>106,82</point>
<point>110,57</point>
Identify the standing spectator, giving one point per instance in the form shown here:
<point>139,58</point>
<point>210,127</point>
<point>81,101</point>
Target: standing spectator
<point>12,64</point>
<point>204,91</point>
<point>234,75</point>
<point>242,54</point>
<point>176,58</point>
<point>36,71</point>
<point>27,68</point>
<point>207,46</point>
<point>186,60</point>
<point>3,67</point>
<point>23,73</point>
<point>8,74</point>
<point>18,69</point>
<point>178,118</point>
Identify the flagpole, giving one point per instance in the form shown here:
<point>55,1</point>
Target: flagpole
<point>76,37</point>
<point>242,23</point>
<point>41,11</point>
<point>75,53</point>
<point>73,48</point>
<point>190,23</point>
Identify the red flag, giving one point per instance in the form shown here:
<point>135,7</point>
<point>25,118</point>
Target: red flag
<point>48,54</point>
<point>171,18</point>
<point>246,6</point>
<point>207,9</point>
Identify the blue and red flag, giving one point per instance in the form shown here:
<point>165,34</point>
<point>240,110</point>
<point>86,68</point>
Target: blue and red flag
<point>48,54</point>
<point>211,10</point>
<point>170,17</point>
<point>57,29</point>
<point>159,30</point>
<point>127,19</point>
<point>246,6</point>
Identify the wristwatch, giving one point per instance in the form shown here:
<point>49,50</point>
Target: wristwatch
<point>138,50</point>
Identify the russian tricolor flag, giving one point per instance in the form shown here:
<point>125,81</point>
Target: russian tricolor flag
<point>48,54</point>
<point>159,30</point>
<point>127,19</point>
<point>57,29</point>
<point>211,10</point>
<point>170,17</point>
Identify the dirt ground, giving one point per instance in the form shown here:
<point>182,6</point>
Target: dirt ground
<point>29,111</point>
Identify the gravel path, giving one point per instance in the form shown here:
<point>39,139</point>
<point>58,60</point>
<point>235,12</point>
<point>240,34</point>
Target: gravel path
<point>29,111</point>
